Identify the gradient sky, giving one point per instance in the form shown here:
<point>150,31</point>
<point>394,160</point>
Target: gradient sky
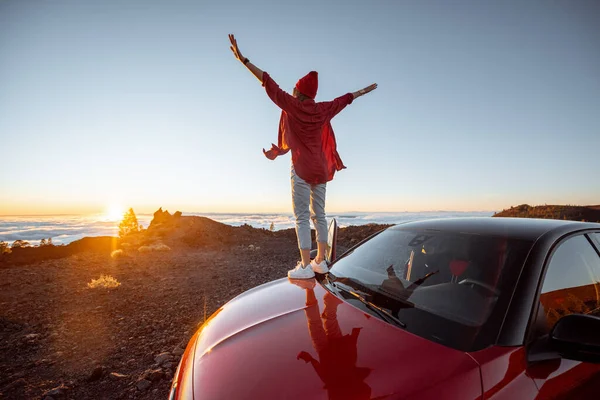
<point>480,105</point>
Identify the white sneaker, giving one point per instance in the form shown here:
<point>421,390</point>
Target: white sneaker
<point>320,268</point>
<point>301,272</point>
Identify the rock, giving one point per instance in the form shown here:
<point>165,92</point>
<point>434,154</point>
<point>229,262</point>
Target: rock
<point>15,384</point>
<point>153,375</point>
<point>31,336</point>
<point>96,374</point>
<point>117,376</point>
<point>143,385</point>
<point>160,217</point>
<point>48,398</point>
<point>16,375</point>
<point>57,392</point>
<point>178,351</point>
<point>156,375</point>
<point>145,374</point>
<point>163,357</point>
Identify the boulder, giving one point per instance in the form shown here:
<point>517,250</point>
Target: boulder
<point>142,385</point>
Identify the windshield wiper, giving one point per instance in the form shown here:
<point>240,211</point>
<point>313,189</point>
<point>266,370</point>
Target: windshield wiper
<point>380,311</point>
<point>332,287</point>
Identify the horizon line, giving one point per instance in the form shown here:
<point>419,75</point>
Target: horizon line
<point>246,212</point>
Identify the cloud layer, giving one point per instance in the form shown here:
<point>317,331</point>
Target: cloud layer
<point>66,229</point>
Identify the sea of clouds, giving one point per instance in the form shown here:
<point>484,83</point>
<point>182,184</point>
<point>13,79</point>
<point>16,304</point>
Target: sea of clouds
<point>64,229</point>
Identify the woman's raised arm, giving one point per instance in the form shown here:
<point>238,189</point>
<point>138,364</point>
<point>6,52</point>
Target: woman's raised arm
<point>257,72</point>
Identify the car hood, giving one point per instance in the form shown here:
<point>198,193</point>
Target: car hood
<point>281,340</point>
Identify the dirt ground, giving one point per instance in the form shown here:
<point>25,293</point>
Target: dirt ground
<point>60,339</point>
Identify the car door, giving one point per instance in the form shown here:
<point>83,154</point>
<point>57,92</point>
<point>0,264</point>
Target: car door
<point>571,284</point>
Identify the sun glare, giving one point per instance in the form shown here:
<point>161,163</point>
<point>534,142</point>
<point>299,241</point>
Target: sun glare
<point>114,212</point>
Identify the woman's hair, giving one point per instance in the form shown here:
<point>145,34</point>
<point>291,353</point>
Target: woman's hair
<point>299,95</point>
<point>302,97</point>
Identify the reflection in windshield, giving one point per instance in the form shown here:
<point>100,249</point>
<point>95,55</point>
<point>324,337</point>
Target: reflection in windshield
<point>336,353</point>
<point>443,285</point>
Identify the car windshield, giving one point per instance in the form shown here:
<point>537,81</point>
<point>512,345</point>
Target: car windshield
<point>452,288</point>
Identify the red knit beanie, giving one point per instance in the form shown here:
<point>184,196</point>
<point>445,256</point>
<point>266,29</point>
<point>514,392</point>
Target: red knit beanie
<point>309,84</point>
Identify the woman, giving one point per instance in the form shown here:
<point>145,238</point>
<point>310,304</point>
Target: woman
<point>305,128</point>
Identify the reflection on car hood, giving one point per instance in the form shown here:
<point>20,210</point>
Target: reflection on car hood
<point>280,340</point>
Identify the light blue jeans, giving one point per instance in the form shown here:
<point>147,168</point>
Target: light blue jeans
<point>308,202</point>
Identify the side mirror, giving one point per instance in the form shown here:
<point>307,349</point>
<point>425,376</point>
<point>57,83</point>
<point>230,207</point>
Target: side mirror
<point>577,337</point>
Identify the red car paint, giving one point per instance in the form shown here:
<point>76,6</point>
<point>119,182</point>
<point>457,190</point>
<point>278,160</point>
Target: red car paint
<point>283,341</point>
<point>278,341</point>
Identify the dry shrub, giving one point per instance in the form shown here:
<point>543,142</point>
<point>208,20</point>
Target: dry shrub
<point>105,281</point>
<point>154,247</point>
<point>160,247</point>
<point>4,248</point>
<point>117,254</point>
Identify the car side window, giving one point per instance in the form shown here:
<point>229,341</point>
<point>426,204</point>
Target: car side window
<point>572,281</point>
<point>596,236</point>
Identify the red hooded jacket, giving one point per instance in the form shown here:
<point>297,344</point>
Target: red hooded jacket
<point>305,128</point>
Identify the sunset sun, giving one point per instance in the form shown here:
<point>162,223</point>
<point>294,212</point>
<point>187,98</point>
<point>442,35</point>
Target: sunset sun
<point>114,212</point>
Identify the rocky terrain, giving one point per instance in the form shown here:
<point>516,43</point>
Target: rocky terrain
<point>573,213</point>
<point>61,339</point>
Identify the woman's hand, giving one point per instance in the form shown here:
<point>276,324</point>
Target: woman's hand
<point>366,90</point>
<point>235,49</point>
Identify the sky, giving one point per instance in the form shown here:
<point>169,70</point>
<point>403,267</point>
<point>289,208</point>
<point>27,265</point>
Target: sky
<point>480,105</point>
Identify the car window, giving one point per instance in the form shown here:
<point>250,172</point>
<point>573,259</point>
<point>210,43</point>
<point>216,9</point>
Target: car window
<point>596,236</point>
<point>450,287</point>
<point>572,281</point>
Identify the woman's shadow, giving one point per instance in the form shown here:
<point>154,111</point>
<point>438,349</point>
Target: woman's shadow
<point>337,353</point>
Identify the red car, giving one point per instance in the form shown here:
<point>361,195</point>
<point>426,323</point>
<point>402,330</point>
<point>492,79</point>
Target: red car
<point>472,308</point>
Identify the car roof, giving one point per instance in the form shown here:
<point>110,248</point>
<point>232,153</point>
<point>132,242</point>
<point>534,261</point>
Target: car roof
<point>517,228</point>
